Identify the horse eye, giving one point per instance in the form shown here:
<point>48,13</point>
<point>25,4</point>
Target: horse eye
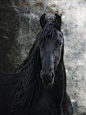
<point>59,44</point>
<point>61,35</point>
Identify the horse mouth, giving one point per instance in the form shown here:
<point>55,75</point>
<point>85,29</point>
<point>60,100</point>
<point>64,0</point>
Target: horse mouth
<point>47,80</point>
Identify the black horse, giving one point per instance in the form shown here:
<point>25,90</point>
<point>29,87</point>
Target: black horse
<point>41,88</point>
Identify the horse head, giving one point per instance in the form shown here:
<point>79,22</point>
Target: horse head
<point>51,44</point>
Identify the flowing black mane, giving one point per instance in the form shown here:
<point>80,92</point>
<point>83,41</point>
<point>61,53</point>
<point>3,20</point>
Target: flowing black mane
<point>30,84</point>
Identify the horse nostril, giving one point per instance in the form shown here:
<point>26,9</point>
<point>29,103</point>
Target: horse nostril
<point>41,72</point>
<point>52,75</point>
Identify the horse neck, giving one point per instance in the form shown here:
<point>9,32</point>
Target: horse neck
<point>59,89</point>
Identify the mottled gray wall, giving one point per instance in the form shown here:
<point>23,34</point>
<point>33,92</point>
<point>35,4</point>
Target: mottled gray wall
<point>19,25</point>
<point>15,40</point>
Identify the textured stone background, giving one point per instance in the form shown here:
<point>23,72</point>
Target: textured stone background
<point>19,25</point>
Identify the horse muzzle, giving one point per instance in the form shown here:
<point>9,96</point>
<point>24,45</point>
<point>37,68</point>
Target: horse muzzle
<point>47,78</point>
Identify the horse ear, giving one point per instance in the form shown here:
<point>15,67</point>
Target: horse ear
<point>43,21</point>
<point>58,20</point>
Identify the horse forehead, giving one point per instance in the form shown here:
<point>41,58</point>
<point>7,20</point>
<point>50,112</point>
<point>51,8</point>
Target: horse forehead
<point>49,46</point>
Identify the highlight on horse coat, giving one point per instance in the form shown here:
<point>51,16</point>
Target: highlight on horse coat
<point>42,87</point>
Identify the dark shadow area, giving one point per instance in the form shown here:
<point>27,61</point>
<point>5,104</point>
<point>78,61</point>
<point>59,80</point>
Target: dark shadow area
<point>9,31</point>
